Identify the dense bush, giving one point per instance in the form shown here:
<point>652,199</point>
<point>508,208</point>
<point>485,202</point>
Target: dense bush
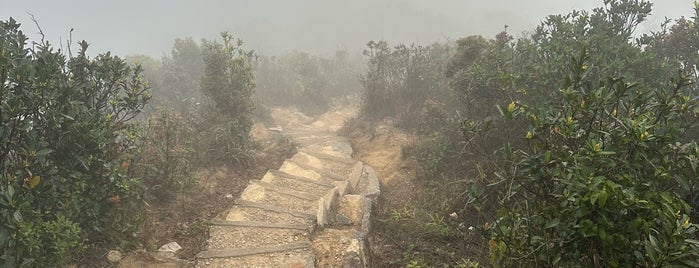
<point>65,148</point>
<point>595,160</point>
<point>306,81</point>
<point>166,162</point>
<point>226,116</point>
<point>573,146</point>
<point>399,80</point>
<point>600,181</point>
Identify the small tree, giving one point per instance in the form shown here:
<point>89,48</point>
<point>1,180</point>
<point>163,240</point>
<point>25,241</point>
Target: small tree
<point>66,144</point>
<point>228,83</point>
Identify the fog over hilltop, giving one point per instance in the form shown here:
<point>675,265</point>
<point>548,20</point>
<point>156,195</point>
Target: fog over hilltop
<point>276,26</point>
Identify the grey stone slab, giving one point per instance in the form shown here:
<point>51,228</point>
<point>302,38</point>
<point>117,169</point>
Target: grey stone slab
<point>248,213</point>
<point>326,173</point>
<point>329,157</point>
<point>278,209</point>
<point>260,224</point>
<point>238,252</point>
<point>285,191</point>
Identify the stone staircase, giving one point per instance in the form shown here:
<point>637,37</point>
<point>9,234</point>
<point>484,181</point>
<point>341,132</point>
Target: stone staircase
<point>313,212</point>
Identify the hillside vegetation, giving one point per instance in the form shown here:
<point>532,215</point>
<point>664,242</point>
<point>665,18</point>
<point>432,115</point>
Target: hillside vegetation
<point>573,146</point>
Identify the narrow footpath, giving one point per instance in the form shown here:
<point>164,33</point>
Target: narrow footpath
<point>314,211</point>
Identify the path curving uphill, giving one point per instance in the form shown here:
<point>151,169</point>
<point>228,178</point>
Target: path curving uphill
<point>314,211</point>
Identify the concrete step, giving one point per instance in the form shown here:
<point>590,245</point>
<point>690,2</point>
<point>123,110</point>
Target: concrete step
<point>330,157</point>
<point>332,164</point>
<point>298,254</point>
<point>318,170</point>
<point>295,183</point>
<point>260,224</point>
<point>253,206</point>
<point>260,194</point>
<point>258,235</point>
<point>303,142</point>
<point>339,149</point>
<point>278,215</point>
<point>285,190</point>
<point>290,167</point>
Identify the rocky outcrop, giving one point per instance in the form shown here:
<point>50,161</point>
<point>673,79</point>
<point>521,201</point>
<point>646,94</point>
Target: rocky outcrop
<point>315,211</point>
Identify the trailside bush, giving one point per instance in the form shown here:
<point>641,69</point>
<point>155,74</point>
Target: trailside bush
<point>226,116</point>
<point>399,81</point>
<point>65,148</point>
<point>601,178</point>
<point>166,162</point>
<point>596,164</point>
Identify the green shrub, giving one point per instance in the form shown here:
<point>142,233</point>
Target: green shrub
<point>165,165</point>
<point>600,181</point>
<point>65,137</point>
<point>400,80</point>
<point>226,116</point>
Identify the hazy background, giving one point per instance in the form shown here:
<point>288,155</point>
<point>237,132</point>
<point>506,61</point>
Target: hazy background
<point>275,26</point>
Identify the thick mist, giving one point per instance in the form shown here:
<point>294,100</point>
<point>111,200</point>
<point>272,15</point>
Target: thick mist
<point>274,27</point>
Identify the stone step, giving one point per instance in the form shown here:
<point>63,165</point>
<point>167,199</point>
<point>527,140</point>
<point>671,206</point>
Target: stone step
<point>303,142</point>
<point>308,133</point>
<point>260,224</point>
<point>311,187</point>
<point>295,258</point>
<point>309,128</point>
<point>278,173</point>
<point>329,157</point>
<point>247,251</point>
<point>339,149</point>
<point>232,236</point>
<point>290,167</point>
<point>276,209</point>
<point>324,173</point>
<point>279,215</point>
<point>285,190</point>
<point>340,168</point>
<point>258,193</point>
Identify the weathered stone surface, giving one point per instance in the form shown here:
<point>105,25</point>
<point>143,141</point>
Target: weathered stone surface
<point>370,184</point>
<point>312,188</point>
<point>257,193</point>
<point>321,171</point>
<point>355,176</point>
<point>260,224</point>
<point>114,256</point>
<point>223,237</point>
<point>276,220</point>
<point>239,252</point>
<point>325,205</point>
<point>278,209</point>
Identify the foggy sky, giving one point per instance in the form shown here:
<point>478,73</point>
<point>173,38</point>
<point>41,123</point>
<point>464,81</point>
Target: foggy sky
<point>271,27</point>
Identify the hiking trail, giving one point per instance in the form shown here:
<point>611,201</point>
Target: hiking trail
<point>314,211</point>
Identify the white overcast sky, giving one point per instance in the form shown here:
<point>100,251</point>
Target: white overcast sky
<point>274,26</point>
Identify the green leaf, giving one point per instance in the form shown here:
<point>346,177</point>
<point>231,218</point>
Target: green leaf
<point>17,216</point>
<point>34,181</point>
<point>602,198</point>
<point>653,241</point>
<point>682,181</point>
<point>68,117</point>
<point>552,223</point>
<point>44,152</point>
